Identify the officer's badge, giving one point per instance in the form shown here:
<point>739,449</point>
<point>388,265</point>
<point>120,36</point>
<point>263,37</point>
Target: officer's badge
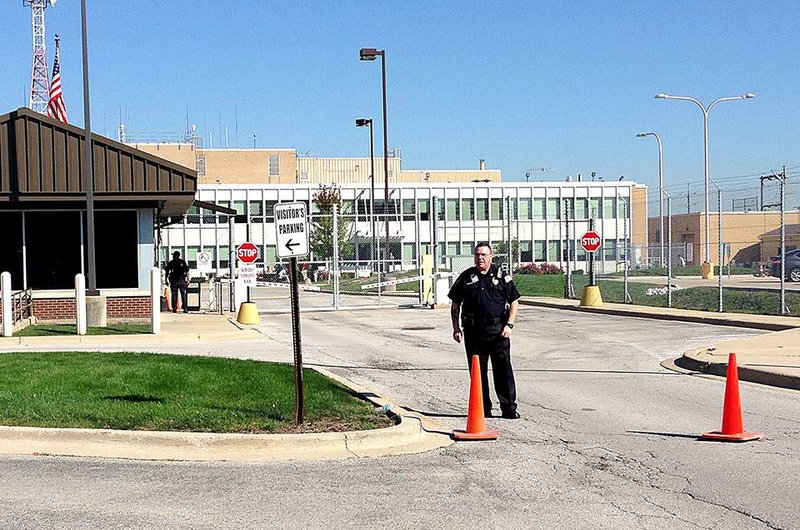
<point>495,281</point>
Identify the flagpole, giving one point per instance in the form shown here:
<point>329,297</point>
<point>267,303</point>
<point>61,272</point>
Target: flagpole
<point>89,182</point>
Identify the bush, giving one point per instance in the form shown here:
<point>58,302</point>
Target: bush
<point>539,268</point>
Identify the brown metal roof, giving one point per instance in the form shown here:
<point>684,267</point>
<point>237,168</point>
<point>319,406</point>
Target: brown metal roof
<point>42,160</point>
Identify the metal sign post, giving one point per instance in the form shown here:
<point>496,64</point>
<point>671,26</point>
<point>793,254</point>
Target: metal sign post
<point>299,394</point>
<point>591,241</point>
<point>291,231</point>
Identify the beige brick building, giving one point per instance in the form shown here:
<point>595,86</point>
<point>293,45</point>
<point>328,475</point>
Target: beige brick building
<point>283,166</point>
<point>750,235</point>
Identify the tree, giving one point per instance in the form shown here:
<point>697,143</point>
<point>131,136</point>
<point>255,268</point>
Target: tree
<point>501,247</point>
<point>321,240</point>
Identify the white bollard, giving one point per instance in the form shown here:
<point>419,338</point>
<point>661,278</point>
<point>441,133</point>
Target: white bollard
<point>442,288</point>
<point>155,299</point>
<point>239,293</point>
<point>80,303</point>
<point>8,318</point>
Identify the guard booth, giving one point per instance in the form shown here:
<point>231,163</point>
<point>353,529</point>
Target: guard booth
<point>43,206</point>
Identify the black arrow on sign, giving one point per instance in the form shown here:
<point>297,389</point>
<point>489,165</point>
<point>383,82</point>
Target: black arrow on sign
<point>289,245</point>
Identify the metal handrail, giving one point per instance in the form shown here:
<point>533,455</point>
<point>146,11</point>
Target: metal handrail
<point>21,305</point>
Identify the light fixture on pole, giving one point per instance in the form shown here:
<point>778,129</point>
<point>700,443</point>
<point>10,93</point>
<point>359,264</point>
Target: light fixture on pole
<point>370,54</point>
<point>362,122</point>
<point>660,193</point>
<point>708,269</point>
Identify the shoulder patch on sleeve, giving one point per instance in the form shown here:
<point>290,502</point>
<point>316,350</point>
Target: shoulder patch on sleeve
<point>508,278</point>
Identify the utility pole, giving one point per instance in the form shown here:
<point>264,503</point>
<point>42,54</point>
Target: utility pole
<point>781,178</point>
<point>688,200</point>
<point>669,250</point>
<point>719,242</point>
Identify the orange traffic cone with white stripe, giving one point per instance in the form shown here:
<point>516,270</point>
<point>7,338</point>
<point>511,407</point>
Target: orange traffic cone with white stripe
<point>732,428</point>
<point>476,424</point>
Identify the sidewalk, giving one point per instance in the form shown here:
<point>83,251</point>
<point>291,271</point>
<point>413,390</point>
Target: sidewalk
<point>174,327</point>
<point>770,359</point>
<point>735,281</point>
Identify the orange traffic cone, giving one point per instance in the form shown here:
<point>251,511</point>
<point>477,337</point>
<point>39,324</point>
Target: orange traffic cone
<point>168,298</point>
<point>476,424</point>
<point>732,429</point>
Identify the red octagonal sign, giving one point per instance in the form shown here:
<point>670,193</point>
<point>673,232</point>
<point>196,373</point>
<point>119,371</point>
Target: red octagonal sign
<point>590,241</point>
<point>247,252</point>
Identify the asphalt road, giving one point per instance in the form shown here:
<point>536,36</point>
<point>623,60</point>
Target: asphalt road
<point>607,440</point>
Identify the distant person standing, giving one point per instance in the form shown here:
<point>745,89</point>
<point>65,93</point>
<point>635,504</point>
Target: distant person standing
<point>178,275</point>
<point>486,299</point>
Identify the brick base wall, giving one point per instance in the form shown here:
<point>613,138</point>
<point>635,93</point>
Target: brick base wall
<point>119,308</point>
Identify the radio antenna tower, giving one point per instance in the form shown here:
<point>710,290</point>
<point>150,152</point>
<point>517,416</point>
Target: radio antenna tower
<point>40,80</point>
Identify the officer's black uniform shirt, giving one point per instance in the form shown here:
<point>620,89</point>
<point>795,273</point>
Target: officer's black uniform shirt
<point>484,297</point>
<point>176,270</point>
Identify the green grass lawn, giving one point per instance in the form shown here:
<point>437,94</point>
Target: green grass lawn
<point>753,301</point>
<point>44,330</point>
<point>142,391</point>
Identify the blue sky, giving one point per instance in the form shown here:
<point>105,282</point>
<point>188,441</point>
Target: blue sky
<point>564,85</point>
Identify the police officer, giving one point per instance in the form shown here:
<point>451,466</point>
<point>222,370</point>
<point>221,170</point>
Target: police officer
<point>178,275</point>
<point>486,299</point>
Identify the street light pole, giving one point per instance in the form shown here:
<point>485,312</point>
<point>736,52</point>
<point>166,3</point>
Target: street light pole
<point>89,180</point>
<point>660,192</point>
<point>706,110</point>
<point>361,122</point>
<point>370,54</point>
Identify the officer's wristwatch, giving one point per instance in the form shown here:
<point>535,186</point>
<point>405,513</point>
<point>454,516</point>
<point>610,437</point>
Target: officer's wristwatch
<point>510,325</point>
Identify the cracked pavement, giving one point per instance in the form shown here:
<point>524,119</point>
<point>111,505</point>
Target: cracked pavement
<point>607,439</point>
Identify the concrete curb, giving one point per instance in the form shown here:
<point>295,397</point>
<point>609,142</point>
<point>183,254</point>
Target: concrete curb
<point>413,434</point>
<point>406,437</point>
<point>746,373</point>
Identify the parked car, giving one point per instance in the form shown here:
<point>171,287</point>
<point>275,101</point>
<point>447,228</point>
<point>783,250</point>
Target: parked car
<point>792,266</point>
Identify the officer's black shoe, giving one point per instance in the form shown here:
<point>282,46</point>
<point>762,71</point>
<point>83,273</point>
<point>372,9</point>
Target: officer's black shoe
<point>512,415</point>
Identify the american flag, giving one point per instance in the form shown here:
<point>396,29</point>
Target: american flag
<point>56,107</point>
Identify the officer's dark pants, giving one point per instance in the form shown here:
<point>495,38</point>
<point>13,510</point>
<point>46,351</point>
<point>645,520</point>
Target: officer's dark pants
<point>180,287</point>
<point>487,342</point>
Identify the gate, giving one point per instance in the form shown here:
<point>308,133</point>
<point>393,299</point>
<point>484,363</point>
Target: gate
<point>346,272</point>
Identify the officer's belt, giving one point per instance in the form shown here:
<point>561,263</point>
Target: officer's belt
<point>473,320</point>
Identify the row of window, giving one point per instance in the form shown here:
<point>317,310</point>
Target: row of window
<point>475,209</point>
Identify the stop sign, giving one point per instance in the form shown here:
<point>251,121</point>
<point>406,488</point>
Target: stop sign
<point>247,252</point>
<point>590,241</point>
